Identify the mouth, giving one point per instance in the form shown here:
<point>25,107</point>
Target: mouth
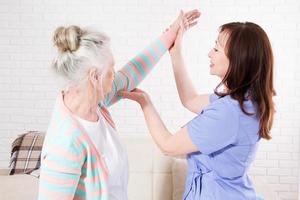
<point>211,65</point>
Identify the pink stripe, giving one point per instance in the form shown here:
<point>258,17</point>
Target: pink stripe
<point>84,137</point>
<point>150,57</point>
<point>59,181</point>
<point>67,154</point>
<point>93,166</point>
<point>124,80</point>
<point>107,116</point>
<point>157,50</point>
<point>136,71</point>
<point>91,179</point>
<point>56,167</point>
<point>116,81</point>
<point>142,62</point>
<point>131,81</point>
<point>78,198</point>
<point>94,192</point>
<point>53,194</point>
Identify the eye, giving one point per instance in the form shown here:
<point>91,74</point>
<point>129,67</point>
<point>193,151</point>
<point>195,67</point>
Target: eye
<point>215,49</point>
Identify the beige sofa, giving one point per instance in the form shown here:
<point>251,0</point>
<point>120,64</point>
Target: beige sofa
<point>153,176</point>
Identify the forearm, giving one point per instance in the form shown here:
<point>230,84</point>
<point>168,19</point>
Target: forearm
<point>141,65</point>
<point>184,83</point>
<point>135,70</point>
<point>156,127</point>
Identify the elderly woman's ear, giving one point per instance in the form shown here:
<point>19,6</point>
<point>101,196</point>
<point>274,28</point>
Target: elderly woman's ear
<point>94,76</point>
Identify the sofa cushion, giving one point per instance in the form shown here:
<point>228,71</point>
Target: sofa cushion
<point>179,170</point>
<point>19,186</point>
<point>26,152</point>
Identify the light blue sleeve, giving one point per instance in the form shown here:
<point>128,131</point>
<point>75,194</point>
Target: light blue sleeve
<point>215,127</point>
<point>213,97</point>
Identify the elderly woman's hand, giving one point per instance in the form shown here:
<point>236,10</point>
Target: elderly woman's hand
<point>137,95</point>
<point>185,20</point>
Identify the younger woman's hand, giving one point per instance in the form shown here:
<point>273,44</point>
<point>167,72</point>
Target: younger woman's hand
<point>175,50</point>
<point>137,95</point>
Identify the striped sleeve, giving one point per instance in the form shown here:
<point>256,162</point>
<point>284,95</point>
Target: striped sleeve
<point>60,172</point>
<point>139,67</point>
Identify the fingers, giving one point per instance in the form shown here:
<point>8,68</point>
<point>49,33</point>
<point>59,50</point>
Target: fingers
<point>131,94</point>
<point>190,18</point>
<point>124,94</point>
<point>193,24</point>
<point>138,90</point>
<point>192,14</point>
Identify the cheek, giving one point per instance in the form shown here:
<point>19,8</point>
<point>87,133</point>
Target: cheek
<point>226,65</point>
<point>223,64</point>
<point>107,82</point>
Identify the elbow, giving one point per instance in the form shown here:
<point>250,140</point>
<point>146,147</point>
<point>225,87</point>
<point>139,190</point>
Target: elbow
<point>186,104</point>
<point>183,102</point>
<point>168,149</point>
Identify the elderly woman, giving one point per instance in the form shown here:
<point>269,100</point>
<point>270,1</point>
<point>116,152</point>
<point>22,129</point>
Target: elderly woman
<point>82,157</point>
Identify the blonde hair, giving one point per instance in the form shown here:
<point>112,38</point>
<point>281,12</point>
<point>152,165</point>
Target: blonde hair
<point>78,51</point>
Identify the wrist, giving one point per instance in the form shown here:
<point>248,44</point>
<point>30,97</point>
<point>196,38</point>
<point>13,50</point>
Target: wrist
<point>175,54</point>
<point>145,104</point>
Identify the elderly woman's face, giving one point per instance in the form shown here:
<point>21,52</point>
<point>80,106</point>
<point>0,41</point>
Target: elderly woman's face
<point>108,76</point>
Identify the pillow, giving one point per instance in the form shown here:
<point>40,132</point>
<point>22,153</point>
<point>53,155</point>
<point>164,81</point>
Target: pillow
<point>26,153</point>
<point>179,171</point>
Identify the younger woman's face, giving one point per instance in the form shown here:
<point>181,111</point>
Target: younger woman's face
<point>219,62</point>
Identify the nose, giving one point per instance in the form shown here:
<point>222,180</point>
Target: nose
<point>114,75</point>
<point>210,53</point>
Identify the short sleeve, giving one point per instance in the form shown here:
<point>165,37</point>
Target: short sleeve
<point>213,97</point>
<point>215,127</point>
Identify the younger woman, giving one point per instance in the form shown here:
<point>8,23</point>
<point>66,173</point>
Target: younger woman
<point>221,141</point>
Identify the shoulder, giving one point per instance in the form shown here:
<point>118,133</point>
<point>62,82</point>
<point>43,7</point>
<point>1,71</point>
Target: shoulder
<point>222,106</point>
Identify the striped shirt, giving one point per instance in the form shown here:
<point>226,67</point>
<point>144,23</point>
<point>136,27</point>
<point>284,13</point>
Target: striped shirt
<point>71,166</point>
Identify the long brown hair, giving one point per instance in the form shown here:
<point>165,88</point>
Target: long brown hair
<point>250,71</point>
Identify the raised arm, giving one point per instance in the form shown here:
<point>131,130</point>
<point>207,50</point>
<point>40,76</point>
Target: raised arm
<point>189,97</point>
<point>134,71</point>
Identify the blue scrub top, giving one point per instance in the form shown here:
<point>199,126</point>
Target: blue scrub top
<point>227,140</point>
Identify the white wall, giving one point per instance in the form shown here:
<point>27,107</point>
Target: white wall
<point>28,89</point>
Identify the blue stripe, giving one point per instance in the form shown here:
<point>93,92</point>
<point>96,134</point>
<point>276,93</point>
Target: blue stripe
<point>110,96</point>
<point>91,186</point>
<point>161,46</point>
<point>129,69</point>
<point>153,53</point>
<point>80,193</point>
<point>120,81</point>
<point>57,188</point>
<point>147,61</point>
<point>58,175</point>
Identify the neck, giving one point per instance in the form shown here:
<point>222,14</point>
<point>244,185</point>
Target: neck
<point>81,104</point>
